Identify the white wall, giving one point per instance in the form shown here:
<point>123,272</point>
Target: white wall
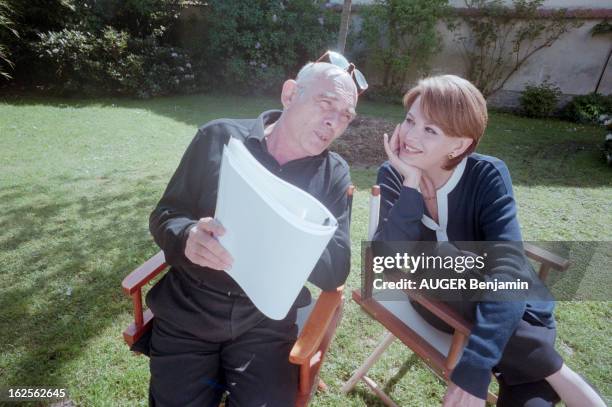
<point>573,63</point>
<point>551,3</point>
<point>547,3</point>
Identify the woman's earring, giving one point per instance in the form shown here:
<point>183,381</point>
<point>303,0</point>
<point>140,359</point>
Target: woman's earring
<point>451,156</point>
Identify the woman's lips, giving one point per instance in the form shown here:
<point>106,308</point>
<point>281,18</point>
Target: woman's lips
<point>411,149</point>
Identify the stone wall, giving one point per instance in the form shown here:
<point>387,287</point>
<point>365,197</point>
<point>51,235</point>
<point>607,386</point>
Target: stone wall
<point>574,62</point>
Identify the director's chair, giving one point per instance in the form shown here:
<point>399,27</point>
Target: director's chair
<point>316,322</point>
<point>440,351</point>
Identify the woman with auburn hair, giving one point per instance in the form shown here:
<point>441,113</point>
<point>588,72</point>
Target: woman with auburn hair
<point>435,188</point>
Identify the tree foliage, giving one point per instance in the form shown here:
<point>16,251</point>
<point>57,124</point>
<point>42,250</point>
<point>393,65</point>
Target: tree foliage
<point>7,31</point>
<point>400,36</point>
<point>255,45</point>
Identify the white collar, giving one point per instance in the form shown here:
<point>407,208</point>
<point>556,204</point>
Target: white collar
<point>442,201</point>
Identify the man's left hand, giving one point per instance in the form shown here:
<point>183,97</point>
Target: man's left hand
<point>457,397</point>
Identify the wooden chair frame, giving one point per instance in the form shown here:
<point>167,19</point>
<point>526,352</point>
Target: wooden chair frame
<point>441,365</point>
<point>309,349</point>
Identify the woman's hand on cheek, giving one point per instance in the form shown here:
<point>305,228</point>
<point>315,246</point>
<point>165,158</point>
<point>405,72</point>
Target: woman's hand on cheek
<point>411,174</point>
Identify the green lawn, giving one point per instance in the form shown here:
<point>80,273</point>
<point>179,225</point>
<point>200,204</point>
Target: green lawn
<point>79,178</point>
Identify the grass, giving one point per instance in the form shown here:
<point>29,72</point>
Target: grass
<point>79,178</point>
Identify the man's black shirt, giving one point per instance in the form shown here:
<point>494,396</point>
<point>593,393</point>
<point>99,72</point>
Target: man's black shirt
<point>192,193</point>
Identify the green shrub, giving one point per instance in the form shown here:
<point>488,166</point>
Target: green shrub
<point>252,46</point>
<point>6,31</point>
<point>67,54</point>
<point>587,108</point>
<point>540,100</point>
<point>382,94</point>
<point>124,46</point>
<point>82,63</point>
<point>399,37</point>
<point>168,70</point>
<point>90,44</point>
<point>139,18</point>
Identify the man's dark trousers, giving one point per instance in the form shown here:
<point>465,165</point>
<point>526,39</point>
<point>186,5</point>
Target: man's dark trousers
<point>235,349</point>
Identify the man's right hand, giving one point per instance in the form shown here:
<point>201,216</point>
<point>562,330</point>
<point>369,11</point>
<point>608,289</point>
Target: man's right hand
<point>203,248</point>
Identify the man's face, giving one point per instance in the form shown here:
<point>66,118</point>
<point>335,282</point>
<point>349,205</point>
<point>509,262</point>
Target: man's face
<point>319,113</point>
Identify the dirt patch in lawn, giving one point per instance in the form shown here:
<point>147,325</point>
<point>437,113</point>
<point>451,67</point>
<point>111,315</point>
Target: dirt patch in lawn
<point>362,143</point>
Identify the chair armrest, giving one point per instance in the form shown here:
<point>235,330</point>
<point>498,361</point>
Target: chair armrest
<point>453,318</point>
<point>546,257</point>
<point>316,327</point>
<point>454,352</point>
<point>143,274</point>
<point>132,286</point>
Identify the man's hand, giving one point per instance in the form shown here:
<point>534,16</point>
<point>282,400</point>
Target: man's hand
<point>203,248</point>
<point>457,397</point>
<point>411,174</point>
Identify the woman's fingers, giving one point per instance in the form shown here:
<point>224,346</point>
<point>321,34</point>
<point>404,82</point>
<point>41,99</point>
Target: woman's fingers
<point>392,145</point>
<point>393,157</point>
<point>395,140</point>
<point>410,173</point>
<point>388,149</point>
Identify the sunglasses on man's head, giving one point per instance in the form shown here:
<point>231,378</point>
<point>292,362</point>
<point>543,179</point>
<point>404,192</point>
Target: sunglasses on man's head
<point>340,61</point>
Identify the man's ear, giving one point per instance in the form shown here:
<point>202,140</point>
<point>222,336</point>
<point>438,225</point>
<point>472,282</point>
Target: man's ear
<point>289,93</point>
<point>461,144</point>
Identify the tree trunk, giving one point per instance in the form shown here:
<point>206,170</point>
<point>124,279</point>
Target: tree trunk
<point>344,25</point>
<point>603,71</point>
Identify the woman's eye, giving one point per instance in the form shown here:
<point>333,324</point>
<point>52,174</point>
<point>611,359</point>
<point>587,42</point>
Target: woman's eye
<point>430,130</point>
<point>409,120</point>
<point>326,104</point>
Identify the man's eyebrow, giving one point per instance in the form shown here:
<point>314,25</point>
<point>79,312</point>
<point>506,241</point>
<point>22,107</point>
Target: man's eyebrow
<point>331,95</point>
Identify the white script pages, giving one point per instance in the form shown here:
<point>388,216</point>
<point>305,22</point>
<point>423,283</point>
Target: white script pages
<point>274,231</point>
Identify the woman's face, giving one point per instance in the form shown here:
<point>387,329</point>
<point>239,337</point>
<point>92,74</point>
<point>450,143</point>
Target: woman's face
<point>424,144</point>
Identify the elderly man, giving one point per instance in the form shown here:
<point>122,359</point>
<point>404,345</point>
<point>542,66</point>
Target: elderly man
<point>208,337</point>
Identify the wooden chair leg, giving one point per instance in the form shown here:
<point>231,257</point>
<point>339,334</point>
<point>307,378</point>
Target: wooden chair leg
<point>491,399</point>
<point>381,394</point>
<point>360,374</point>
<point>363,369</point>
<point>321,386</point>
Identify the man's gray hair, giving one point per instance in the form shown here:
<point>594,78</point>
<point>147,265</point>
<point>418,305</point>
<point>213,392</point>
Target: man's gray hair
<point>314,70</point>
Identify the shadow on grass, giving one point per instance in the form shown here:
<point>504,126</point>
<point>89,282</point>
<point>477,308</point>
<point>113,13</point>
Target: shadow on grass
<point>64,254</point>
<point>410,362</point>
<point>193,110</point>
<point>370,399</point>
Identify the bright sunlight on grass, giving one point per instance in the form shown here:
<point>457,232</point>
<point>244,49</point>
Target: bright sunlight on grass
<point>78,180</point>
